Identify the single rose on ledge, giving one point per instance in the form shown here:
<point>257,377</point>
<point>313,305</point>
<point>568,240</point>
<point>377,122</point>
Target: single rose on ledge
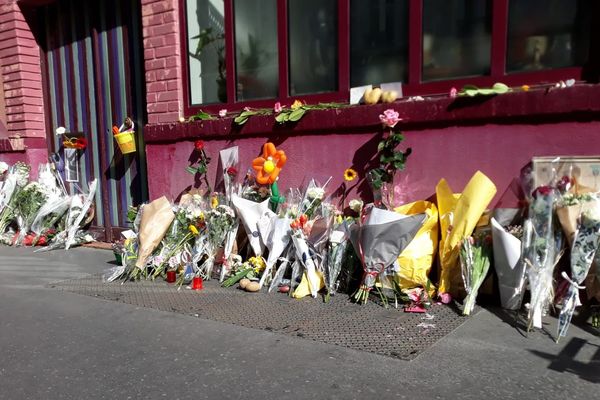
<point>277,108</point>
<point>390,118</point>
<point>199,145</point>
<point>453,92</point>
<point>223,113</point>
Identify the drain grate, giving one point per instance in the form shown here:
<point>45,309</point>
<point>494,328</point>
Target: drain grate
<point>369,327</point>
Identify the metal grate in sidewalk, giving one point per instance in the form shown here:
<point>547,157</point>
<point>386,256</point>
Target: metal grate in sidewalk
<point>371,328</point>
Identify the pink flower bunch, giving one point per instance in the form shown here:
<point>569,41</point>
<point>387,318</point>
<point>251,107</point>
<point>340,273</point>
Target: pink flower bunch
<point>390,118</point>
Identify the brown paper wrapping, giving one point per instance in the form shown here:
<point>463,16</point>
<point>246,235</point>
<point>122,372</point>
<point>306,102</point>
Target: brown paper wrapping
<point>157,216</point>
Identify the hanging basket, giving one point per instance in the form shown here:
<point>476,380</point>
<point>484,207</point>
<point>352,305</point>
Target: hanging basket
<point>126,140</point>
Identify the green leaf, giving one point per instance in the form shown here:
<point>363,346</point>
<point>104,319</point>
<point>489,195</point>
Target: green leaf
<point>297,114</point>
<point>381,146</point>
<point>282,117</point>
<point>500,88</point>
<point>202,116</point>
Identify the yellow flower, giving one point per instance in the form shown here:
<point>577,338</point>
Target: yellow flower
<point>296,104</point>
<point>350,174</point>
<point>214,202</point>
<point>193,229</point>
<point>258,263</point>
<point>525,88</point>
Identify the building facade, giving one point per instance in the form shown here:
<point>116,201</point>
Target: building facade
<point>87,65</point>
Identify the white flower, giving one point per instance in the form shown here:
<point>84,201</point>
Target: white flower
<point>60,130</point>
<point>356,205</point>
<point>316,193</point>
<point>3,167</point>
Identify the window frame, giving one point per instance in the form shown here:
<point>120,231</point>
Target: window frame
<point>414,85</point>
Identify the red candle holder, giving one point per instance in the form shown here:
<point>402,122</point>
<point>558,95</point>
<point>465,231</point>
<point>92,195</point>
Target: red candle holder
<point>197,283</point>
<point>171,276</point>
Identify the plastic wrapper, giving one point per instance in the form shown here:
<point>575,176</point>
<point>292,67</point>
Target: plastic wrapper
<point>459,214</point>
<point>542,246</point>
<point>583,250</point>
<point>416,259</point>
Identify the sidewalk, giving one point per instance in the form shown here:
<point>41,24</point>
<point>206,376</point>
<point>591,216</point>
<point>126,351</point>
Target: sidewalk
<point>58,344</point>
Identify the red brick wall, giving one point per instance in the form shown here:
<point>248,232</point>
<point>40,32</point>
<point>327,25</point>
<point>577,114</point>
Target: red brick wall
<point>162,55</point>
<point>21,70</point>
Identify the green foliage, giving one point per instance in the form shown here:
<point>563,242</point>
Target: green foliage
<point>472,90</point>
<point>201,116</point>
<point>390,160</point>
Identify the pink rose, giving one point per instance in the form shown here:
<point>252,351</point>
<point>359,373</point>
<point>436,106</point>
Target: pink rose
<point>445,298</point>
<point>453,92</point>
<point>390,118</point>
<point>246,108</point>
<point>277,108</point>
<point>223,113</point>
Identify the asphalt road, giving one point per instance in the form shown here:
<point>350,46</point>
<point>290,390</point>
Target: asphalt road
<point>60,345</point>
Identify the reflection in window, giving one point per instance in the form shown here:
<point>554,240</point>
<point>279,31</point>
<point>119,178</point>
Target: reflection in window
<point>378,41</point>
<point>547,34</point>
<point>256,49</point>
<point>456,38</point>
<point>206,51</point>
<point>312,46</point>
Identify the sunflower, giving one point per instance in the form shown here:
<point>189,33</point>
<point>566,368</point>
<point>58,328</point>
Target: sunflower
<point>350,175</point>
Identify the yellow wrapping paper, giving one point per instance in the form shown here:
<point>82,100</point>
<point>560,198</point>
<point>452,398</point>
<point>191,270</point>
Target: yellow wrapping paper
<point>303,288</point>
<point>458,218</point>
<point>416,259</point>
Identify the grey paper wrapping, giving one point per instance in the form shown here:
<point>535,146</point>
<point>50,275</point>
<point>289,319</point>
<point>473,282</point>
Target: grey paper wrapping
<point>382,243</point>
<point>156,219</point>
<point>250,214</point>
<point>509,268</point>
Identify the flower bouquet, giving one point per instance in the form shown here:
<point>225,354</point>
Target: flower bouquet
<point>378,240</point>
<point>15,181</point>
<point>542,245</point>
<point>585,246</point>
<point>219,222</point>
<point>475,255</point>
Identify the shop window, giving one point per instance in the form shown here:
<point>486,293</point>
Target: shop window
<point>378,41</point>
<point>313,46</point>
<point>206,51</point>
<point>544,34</point>
<point>256,54</point>
<point>456,38</point>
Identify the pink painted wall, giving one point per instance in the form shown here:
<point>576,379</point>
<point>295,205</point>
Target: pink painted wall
<point>454,153</point>
<point>162,56</point>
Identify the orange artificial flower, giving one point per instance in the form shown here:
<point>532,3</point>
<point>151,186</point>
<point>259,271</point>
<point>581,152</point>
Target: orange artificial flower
<point>268,166</point>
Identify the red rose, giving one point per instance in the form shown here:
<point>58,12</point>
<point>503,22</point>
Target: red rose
<point>42,241</point>
<point>231,171</point>
<point>80,143</point>
<point>199,145</point>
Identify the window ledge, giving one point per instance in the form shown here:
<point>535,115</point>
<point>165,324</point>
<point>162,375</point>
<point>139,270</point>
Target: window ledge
<point>543,104</point>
